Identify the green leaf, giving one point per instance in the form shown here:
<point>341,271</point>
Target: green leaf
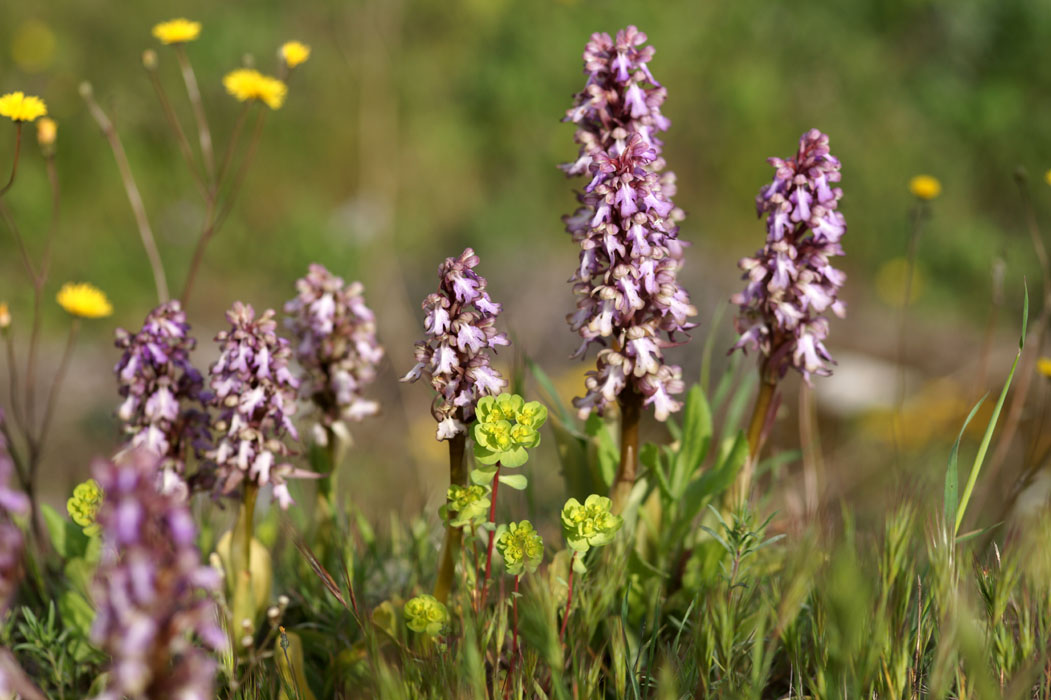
<point>76,612</point>
<point>709,343</point>
<point>987,438</point>
<point>518,482</point>
<point>696,437</point>
<point>514,458</point>
<point>482,477</point>
<point>553,399</point>
<point>951,500</point>
<point>66,537</point>
<point>712,483</point>
<point>606,451</point>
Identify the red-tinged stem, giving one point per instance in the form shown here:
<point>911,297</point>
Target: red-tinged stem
<point>14,162</point>
<point>492,538</point>
<point>569,600</point>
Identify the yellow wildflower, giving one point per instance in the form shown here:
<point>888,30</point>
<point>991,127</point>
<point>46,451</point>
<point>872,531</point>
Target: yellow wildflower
<point>1043,366</point>
<point>1047,177</point>
<point>5,316</point>
<point>294,52</point>
<point>925,187</point>
<point>177,31</point>
<point>84,300</point>
<point>19,107</point>
<point>46,131</point>
<point>248,84</point>
<point>83,506</point>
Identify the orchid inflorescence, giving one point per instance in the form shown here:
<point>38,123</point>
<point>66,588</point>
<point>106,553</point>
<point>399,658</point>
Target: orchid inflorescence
<point>461,330</point>
<point>151,591</point>
<point>791,283</point>
<point>629,301</point>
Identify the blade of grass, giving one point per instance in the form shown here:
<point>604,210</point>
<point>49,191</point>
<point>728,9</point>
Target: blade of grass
<point>987,438</point>
<point>952,476</point>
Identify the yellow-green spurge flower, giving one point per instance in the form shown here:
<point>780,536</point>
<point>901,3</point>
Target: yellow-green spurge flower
<point>589,525</point>
<point>426,614</point>
<point>506,429</point>
<point>521,547</point>
<point>465,504</point>
<point>84,505</point>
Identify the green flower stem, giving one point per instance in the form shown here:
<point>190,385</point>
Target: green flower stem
<point>241,557</point>
<point>569,600</point>
<point>453,535</point>
<point>492,538</point>
<point>630,414</point>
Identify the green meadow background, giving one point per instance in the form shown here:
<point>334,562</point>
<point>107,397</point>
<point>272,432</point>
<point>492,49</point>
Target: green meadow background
<point>420,127</point>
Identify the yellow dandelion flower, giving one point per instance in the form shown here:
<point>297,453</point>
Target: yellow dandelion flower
<point>925,187</point>
<point>1043,366</point>
<point>84,300</point>
<point>177,31</point>
<point>294,52</point>
<point>46,131</point>
<point>248,84</point>
<point>1047,177</point>
<point>5,316</point>
<point>19,107</point>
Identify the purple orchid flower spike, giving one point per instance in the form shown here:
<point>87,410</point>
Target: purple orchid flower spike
<point>255,398</point>
<point>460,324</point>
<point>164,407</point>
<point>151,592</point>
<point>791,283</point>
<point>629,300</point>
<point>335,334</point>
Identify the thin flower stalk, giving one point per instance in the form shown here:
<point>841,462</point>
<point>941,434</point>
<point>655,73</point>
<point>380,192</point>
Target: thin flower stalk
<point>131,189</point>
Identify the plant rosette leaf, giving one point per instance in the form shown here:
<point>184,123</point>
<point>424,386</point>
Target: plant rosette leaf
<point>591,524</point>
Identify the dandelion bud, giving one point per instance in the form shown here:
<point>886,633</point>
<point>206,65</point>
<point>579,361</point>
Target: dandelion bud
<point>46,133</point>
<point>5,316</point>
<point>283,601</point>
<point>85,90</point>
<point>149,59</point>
<point>273,612</point>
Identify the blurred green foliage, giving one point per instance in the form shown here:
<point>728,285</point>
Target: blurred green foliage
<point>425,126</point>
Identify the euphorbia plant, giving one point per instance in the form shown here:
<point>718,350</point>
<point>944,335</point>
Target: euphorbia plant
<point>506,429</point>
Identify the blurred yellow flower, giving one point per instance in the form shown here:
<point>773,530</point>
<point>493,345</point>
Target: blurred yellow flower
<point>33,46</point>
<point>1047,177</point>
<point>84,300</point>
<point>294,52</point>
<point>5,316</point>
<point>177,31</point>
<point>83,506</point>
<point>248,84</point>
<point>46,131</point>
<point>19,107</point>
<point>1043,366</point>
<point>891,278</point>
<point>925,187</point>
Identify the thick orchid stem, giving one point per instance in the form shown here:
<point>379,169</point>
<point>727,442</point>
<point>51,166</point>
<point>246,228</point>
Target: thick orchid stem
<point>453,535</point>
<point>630,415</point>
